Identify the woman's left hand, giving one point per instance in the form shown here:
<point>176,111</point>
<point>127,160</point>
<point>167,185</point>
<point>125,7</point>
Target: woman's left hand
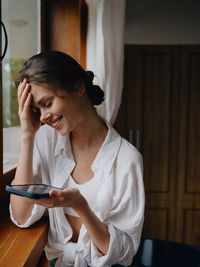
<point>70,197</point>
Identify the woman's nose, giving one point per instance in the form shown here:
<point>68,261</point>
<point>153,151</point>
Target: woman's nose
<point>45,117</point>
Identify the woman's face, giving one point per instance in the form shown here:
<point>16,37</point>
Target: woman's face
<point>59,109</point>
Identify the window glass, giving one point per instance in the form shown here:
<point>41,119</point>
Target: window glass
<point>22,21</point>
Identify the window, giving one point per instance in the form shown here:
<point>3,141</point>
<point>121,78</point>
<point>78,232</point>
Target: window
<point>31,8</point>
<point>22,21</point>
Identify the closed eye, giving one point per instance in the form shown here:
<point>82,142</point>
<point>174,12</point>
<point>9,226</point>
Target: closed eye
<point>35,110</point>
<point>48,104</point>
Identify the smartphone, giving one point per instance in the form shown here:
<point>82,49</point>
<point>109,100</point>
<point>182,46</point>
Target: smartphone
<point>31,190</point>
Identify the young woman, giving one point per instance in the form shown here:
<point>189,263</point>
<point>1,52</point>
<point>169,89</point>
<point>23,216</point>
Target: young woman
<point>97,219</point>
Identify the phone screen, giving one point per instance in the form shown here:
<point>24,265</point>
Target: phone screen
<point>31,190</point>
<point>34,188</point>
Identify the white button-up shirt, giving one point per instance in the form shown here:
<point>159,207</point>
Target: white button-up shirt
<point>120,199</point>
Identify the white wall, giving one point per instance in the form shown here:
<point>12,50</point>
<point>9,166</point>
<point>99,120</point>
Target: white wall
<point>162,22</point>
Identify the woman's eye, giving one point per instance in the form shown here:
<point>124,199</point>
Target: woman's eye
<point>35,110</point>
<point>48,104</point>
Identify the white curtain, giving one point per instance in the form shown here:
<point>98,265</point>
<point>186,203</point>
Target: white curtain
<point>105,43</point>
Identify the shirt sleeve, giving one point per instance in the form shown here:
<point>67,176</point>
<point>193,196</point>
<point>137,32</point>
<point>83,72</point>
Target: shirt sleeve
<point>121,248</point>
<point>124,219</point>
<point>36,215</point>
<point>38,172</point>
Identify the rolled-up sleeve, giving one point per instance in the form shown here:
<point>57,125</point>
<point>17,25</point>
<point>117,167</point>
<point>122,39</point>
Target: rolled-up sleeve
<point>39,176</point>
<point>121,248</point>
<point>36,215</point>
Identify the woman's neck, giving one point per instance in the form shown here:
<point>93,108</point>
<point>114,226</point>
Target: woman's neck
<point>90,131</point>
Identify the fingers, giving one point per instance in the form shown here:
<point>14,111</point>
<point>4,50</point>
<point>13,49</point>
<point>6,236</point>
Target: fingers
<point>49,202</point>
<point>28,102</point>
<point>24,96</point>
<point>55,193</point>
<point>58,198</point>
<point>66,194</point>
<point>21,88</point>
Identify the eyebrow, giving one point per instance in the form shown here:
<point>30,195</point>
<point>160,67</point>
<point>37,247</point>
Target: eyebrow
<point>42,99</point>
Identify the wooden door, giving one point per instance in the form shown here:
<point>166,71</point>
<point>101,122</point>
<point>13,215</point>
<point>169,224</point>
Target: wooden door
<point>188,172</point>
<point>152,116</point>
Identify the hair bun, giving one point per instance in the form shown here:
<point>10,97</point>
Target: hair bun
<point>90,75</point>
<point>95,93</point>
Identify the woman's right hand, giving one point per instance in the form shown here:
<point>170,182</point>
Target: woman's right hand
<point>30,120</point>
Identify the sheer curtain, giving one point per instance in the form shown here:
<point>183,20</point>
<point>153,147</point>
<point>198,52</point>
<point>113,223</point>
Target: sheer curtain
<point>105,43</point>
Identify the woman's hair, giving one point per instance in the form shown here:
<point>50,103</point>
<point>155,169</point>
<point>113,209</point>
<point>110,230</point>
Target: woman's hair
<point>60,71</point>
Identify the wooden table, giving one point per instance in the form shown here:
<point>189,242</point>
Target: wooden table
<point>21,247</point>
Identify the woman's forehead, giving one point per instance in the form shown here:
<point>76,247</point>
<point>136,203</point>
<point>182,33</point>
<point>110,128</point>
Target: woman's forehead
<point>40,91</point>
<point>40,87</point>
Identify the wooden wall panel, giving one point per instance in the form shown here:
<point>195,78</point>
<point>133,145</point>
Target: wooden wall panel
<point>191,230</point>
<point>192,173</point>
<point>157,99</point>
<point>64,27</point>
<point>124,124</point>
<point>83,32</point>
<point>188,169</point>
<point>156,223</point>
<point>149,107</point>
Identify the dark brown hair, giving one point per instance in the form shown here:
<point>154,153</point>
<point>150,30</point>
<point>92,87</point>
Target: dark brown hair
<point>59,70</point>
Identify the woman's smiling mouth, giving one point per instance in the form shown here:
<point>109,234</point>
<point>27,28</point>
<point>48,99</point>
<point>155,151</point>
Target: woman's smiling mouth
<point>56,123</point>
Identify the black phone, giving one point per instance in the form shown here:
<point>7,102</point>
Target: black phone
<point>31,190</point>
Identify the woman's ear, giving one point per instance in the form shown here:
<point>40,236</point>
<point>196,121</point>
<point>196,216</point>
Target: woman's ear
<point>82,89</point>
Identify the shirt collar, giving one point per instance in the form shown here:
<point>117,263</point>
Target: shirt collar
<point>104,158</point>
<point>63,145</point>
<point>108,151</point>
<point>65,161</point>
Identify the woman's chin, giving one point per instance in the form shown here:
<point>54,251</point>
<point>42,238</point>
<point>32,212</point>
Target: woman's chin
<point>63,132</point>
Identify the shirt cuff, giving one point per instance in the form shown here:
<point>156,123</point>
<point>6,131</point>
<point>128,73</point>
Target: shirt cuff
<point>119,250</point>
<point>36,214</point>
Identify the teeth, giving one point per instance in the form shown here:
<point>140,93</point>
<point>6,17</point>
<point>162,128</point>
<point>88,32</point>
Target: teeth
<point>56,123</point>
